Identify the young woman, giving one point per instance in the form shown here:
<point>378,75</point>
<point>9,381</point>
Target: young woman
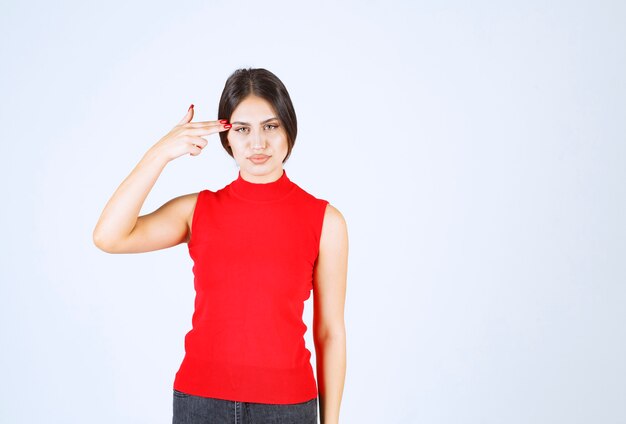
<point>260,245</point>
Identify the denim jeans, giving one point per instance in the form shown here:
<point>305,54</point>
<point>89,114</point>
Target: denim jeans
<point>191,409</point>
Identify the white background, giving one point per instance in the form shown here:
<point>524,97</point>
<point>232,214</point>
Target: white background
<point>476,149</point>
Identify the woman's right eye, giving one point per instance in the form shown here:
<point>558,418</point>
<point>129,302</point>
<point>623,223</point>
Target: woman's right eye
<point>241,128</point>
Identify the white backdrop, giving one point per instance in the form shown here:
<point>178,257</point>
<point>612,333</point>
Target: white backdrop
<point>476,149</point>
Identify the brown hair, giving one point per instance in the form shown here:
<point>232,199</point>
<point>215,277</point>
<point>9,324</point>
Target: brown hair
<point>261,83</point>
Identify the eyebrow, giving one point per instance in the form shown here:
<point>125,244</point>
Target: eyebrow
<point>246,123</point>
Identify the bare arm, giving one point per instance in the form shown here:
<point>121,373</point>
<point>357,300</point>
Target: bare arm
<point>329,331</point>
<point>119,229</point>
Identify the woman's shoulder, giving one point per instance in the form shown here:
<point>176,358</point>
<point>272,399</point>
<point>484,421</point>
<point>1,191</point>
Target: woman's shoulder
<point>333,216</point>
<point>183,202</point>
<point>305,194</point>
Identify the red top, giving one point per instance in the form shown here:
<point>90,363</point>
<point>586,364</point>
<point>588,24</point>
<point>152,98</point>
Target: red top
<point>254,247</point>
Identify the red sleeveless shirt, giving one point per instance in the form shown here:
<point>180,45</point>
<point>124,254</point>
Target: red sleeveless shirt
<point>254,247</point>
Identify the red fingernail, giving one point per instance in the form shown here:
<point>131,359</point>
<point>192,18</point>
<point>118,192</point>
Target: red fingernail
<point>227,126</point>
<point>190,107</point>
<point>223,121</point>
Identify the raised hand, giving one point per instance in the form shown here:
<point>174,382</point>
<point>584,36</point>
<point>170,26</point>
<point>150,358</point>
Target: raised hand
<point>187,137</point>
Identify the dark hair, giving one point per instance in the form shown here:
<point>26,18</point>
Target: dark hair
<point>261,83</point>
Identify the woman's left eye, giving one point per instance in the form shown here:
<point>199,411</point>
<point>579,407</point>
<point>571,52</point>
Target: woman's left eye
<point>271,125</point>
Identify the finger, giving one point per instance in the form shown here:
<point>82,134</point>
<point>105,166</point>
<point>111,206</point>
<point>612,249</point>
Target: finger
<point>195,150</point>
<point>199,142</point>
<point>206,130</point>
<point>206,123</point>
<point>196,145</point>
<point>188,116</point>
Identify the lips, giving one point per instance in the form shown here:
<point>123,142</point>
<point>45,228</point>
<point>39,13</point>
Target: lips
<point>258,159</point>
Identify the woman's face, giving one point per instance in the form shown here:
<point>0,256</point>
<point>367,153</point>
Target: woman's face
<point>258,140</point>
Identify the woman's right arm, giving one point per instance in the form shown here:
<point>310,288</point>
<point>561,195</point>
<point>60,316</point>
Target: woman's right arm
<point>120,229</point>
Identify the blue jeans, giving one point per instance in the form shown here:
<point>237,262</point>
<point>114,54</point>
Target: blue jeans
<point>191,409</point>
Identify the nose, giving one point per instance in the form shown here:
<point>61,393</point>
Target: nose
<point>258,141</point>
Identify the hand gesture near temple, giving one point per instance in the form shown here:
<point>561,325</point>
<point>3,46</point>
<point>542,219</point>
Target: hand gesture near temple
<point>187,137</point>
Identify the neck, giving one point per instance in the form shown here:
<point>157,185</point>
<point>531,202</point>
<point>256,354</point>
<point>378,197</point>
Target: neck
<point>276,189</point>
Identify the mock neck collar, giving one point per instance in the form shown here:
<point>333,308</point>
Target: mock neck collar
<point>261,192</point>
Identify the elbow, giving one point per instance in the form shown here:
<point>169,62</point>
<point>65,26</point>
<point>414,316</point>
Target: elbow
<point>101,243</point>
<point>329,342</point>
<point>337,333</point>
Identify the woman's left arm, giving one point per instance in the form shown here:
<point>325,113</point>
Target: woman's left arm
<point>329,332</point>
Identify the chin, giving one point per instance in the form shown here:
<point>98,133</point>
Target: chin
<point>263,169</point>
<point>260,169</point>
